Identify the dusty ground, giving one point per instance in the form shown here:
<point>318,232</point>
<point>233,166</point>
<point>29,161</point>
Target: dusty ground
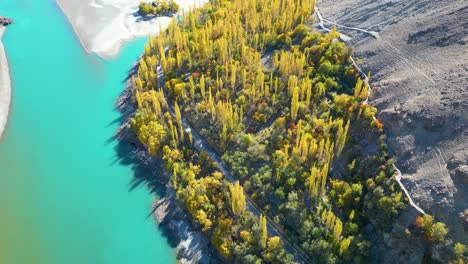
<point>420,76</point>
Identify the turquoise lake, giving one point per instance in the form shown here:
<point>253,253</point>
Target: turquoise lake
<point>64,196</point>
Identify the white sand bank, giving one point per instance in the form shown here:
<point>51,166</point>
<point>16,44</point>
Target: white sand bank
<point>104,25</point>
<point>5,85</point>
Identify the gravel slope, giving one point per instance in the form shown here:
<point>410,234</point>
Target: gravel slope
<point>420,75</point>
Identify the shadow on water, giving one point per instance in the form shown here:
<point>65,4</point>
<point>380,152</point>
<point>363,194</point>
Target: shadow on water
<point>132,71</point>
<point>120,103</point>
<point>147,172</point>
<point>119,120</point>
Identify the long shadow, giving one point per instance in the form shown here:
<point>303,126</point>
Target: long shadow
<point>147,172</point>
<point>119,120</point>
<point>122,106</point>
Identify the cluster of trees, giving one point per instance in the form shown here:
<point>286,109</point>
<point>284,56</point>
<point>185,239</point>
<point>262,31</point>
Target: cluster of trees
<point>283,105</point>
<point>432,231</point>
<point>216,205</point>
<point>158,8</point>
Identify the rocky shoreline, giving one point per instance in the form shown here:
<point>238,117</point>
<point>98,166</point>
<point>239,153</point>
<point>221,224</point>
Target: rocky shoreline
<point>191,244</point>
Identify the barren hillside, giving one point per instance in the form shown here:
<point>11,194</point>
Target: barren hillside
<point>419,66</point>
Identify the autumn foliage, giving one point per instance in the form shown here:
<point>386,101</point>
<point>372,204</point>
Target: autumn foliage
<point>282,104</point>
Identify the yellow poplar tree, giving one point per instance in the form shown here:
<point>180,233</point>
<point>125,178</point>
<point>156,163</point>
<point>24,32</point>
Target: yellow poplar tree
<point>179,120</point>
<point>295,103</point>
<point>345,245</point>
<point>263,226</point>
<point>237,198</point>
<point>202,86</point>
<point>358,88</point>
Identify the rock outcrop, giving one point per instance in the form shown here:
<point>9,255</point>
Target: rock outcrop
<point>5,21</point>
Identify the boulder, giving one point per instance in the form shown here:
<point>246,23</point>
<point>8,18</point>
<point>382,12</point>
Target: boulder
<point>5,21</point>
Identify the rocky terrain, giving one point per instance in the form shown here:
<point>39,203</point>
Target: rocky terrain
<point>419,66</point>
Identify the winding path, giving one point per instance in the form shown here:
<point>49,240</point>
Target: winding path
<point>398,175</point>
<point>322,20</point>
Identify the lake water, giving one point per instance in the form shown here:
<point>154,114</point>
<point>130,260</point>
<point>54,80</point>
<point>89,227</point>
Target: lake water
<point>64,197</point>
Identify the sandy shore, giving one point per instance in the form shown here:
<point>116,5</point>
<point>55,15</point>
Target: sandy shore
<point>5,85</point>
<point>103,26</point>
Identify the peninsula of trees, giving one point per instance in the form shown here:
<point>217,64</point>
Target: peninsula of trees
<point>283,106</point>
<point>158,8</point>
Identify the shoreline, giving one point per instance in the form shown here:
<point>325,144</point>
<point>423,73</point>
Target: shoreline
<point>190,244</point>
<point>5,85</point>
<point>104,26</point>
<point>80,38</point>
